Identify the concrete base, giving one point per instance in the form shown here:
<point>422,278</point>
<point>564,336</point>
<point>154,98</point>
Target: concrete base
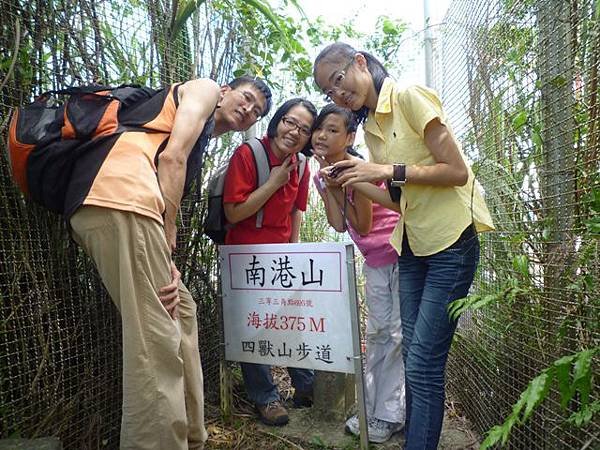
<point>333,396</point>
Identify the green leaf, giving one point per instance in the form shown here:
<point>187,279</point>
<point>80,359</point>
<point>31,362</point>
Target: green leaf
<point>558,81</point>
<point>538,388</point>
<point>521,265</point>
<point>582,374</point>
<point>536,138</point>
<point>389,27</point>
<point>184,12</point>
<point>536,392</point>
<point>562,369</point>
<point>519,120</point>
<point>492,438</point>
<point>585,414</point>
<point>546,234</point>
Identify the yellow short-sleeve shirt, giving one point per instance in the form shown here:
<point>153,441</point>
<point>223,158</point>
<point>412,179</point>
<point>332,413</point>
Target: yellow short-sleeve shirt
<point>434,216</point>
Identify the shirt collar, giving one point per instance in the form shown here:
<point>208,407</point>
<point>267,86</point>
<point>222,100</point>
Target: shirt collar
<point>384,101</point>
<point>384,106</point>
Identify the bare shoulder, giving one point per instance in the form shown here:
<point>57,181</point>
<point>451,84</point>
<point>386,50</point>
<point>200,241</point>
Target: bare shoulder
<point>200,87</point>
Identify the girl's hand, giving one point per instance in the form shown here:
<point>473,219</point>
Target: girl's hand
<point>356,171</point>
<point>321,160</point>
<point>330,182</point>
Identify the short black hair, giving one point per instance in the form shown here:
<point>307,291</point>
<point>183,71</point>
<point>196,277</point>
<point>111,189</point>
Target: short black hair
<point>283,110</point>
<point>350,122</point>
<point>342,53</point>
<point>259,84</point>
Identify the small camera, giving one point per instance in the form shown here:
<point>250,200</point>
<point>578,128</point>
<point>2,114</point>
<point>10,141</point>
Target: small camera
<point>335,171</point>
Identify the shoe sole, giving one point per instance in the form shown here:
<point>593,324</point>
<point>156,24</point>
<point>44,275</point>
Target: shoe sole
<point>348,430</point>
<point>278,423</point>
<point>378,441</point>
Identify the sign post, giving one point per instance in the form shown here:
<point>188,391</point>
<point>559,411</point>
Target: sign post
<point>356,346</point>
<point>293,305</point>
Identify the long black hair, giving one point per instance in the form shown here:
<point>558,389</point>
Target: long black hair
<point>350,122</point>
<point>283,110</point>
<point>341,53</point>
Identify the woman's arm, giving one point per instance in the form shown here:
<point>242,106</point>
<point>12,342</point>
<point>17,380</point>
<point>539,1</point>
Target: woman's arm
<point>332,209</point>
<point>359,214</point>
<point>449,168</point>
<point>377,195</point>
<point>296,222</point>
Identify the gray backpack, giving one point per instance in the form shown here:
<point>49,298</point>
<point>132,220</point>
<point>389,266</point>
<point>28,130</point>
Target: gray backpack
<point>215,224</point>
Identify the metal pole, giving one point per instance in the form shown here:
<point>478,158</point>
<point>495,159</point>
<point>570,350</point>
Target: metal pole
<point>225,382</point>
<point>356,348</point>
<point>428,45</point>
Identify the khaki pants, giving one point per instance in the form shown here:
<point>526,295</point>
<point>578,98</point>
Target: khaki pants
<point>163,396</point>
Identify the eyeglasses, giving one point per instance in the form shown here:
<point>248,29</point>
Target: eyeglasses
<point>250,99</point>
<point>337,82</point>
<point>291,124</point>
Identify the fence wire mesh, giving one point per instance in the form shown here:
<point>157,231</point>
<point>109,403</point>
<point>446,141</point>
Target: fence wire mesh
<point>519,80</point>
<point>60,337</point>
<point>520,84</point>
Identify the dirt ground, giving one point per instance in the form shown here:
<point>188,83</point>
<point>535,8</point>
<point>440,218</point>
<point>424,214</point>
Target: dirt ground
<point>304,427</point>
<point>306,432</point>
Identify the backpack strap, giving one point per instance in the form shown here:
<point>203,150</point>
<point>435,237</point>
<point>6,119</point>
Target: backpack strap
<point>302,167</point>
<point>89,89</point>
<point>263,170</point>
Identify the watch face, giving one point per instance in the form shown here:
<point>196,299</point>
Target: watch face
<point>399,175</point>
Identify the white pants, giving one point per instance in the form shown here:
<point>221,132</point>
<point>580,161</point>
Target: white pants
<point>384,375</point>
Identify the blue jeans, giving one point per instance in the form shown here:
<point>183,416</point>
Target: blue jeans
<point>259,382</point>
<point>427,285</point>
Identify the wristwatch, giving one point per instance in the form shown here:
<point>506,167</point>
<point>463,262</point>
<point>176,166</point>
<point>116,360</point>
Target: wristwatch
<point>399,175</point>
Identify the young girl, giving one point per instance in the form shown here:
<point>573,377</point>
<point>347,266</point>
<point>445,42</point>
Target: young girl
<point>370,227</point>
<point>412,146</point>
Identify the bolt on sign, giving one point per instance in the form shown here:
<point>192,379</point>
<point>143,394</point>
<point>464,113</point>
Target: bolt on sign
<point>288,305</point>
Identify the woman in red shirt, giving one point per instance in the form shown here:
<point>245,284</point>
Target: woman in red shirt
<point>282,198</point>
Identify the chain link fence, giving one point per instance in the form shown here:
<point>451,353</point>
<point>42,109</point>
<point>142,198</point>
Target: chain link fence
<point>520,85</point>
<point>60,335</point>
<point>519,80</point>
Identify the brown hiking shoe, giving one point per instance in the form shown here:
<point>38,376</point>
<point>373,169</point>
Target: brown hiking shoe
<point>273,413</point>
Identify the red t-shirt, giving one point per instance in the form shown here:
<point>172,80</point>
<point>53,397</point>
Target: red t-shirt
<point>241,181</point>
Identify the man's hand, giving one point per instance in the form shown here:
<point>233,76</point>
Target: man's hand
<point>169,295</point>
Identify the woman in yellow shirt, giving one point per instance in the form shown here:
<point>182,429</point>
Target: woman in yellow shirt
<point>412,147</point>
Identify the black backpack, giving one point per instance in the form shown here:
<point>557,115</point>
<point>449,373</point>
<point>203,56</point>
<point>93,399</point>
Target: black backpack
<point>47,136</point>
<point>215,224</point>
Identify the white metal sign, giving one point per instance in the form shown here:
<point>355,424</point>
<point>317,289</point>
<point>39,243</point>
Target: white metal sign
<point>288,305</point>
